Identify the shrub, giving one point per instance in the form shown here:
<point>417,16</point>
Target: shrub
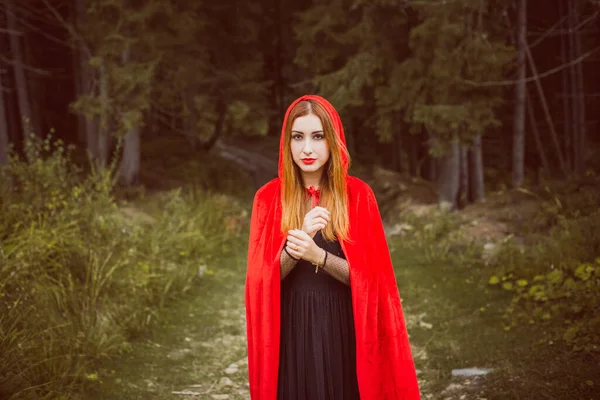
<point>437,238</point>
<point>556,279</point>
<point>80,276</point>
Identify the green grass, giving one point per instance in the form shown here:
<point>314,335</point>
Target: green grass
<point>83,274</point>
<point>468,331</point>
<point>181,350</point>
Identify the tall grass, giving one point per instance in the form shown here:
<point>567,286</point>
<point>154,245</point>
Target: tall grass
<point>80,276</point>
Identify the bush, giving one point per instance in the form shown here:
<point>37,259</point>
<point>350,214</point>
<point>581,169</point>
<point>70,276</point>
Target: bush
<point>437,239</point>
<point>556,279</point>
<point>80,276</point>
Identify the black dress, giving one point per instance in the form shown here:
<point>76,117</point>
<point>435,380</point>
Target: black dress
<point>318,353</point>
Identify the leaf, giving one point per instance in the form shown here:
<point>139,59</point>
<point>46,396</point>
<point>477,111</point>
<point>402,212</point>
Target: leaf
<point>522,282</point>
<point>584,271</point>
<point>507,286</point>
<point>555,276</point>
<point>494,280</point>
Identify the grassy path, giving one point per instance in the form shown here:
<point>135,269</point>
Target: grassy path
<point>198,351</point>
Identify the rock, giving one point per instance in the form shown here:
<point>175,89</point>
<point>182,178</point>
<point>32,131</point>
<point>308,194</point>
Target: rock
<point>445,206</point>
<point>243,361</point>
<point>224,382</point>
<point>187,393</point>
<point>471,371</point>
<point>232,369</point>
<point>425,325</point>
<point>219,396</point>
<point>490,251</point>
<point>453,387</point>
<point>178,354</point>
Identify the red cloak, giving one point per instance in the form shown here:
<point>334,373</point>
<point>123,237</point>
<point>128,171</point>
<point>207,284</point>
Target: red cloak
<point>384,363</point>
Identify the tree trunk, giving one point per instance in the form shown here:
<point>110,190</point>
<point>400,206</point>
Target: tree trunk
<point>129,169</point>
<point>463,185</point>
<point>536,136</point>
<point>546,109</point>
<point>219,124</point>
<point>397,146</point>
<point>103,130</point>
<point>88,126</point>
<point>20,81</point>
<point>574,128</point>
<point>566,89</point>
<point>191,120</point>
<point>413,156</point>
<point>518,166</point>
<point>3,128</point>
<point>578,99</point>
<point>449,177</point>
<point>477,186</point>
<point>35,90</point>
<point>426,159</point>
<point>279,57</point>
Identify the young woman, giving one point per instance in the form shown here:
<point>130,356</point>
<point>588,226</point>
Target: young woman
<point>323,313</point>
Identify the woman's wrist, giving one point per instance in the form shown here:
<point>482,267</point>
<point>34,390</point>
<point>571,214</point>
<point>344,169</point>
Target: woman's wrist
<point>317,255</point>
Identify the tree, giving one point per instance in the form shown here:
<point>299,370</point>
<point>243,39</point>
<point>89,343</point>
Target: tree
<point>518,165</point>
<point>453,45</point>
<point>3,128</point>
<point>24,102</point>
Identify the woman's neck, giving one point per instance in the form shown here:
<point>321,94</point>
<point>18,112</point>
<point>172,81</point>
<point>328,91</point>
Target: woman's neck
<point>312,180</point>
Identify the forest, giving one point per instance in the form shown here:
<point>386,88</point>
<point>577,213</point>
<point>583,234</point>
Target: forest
<point>134,134</point>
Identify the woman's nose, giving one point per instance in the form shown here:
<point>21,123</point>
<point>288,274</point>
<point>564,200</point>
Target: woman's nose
<point>307,147</point>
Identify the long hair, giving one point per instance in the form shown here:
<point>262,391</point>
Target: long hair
<point>333,181</point>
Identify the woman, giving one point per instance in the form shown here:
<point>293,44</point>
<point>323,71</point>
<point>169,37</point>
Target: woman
<point>323,313</point>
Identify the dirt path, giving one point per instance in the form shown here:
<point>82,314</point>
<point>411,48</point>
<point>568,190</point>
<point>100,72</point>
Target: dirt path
<point>199,350</point>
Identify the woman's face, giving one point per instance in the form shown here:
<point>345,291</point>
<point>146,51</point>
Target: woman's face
<point>310,149</point>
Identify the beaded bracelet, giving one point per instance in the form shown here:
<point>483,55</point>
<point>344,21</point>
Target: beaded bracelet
<point>322,265</point>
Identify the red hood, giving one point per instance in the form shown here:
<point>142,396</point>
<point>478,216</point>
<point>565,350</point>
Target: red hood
<point>335,119</point>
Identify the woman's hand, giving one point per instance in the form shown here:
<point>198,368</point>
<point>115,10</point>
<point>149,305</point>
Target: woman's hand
<point>300,245</point>
<point>315,220</point>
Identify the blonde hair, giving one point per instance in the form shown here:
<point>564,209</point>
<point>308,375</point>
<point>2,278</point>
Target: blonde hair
<point>333,181</point>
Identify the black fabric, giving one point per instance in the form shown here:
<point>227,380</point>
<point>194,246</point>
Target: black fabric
<point>318,351</point>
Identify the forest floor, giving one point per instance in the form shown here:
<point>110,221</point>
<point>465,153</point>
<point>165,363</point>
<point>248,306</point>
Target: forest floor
<point>460,348</point>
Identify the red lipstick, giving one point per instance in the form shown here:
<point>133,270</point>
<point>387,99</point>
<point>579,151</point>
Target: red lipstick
<point>308,160</point>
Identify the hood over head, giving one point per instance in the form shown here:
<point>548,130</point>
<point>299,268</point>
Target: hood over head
<point>335,119</point>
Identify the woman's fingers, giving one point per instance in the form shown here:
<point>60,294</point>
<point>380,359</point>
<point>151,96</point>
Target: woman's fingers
<point>295,239</point>
<point>320,220</point>
<point>319,208</point>
<point>320,212</point>
<point>293,252</point>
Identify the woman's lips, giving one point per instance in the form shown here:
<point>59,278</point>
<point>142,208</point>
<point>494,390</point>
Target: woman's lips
<point>308,160</point>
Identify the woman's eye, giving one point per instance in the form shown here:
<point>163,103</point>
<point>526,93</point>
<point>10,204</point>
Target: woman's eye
<point>319,136</point>
<point>296,137</point>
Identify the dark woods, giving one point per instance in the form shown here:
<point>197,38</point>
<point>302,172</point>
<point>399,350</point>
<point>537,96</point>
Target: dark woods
<point>459,92</point>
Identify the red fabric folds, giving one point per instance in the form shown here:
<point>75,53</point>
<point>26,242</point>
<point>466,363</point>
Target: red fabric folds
<point>385,367</point>
<point>315,196</point>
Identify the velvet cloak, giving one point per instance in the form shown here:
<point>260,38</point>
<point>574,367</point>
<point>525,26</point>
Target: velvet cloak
<point>384,363</point>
